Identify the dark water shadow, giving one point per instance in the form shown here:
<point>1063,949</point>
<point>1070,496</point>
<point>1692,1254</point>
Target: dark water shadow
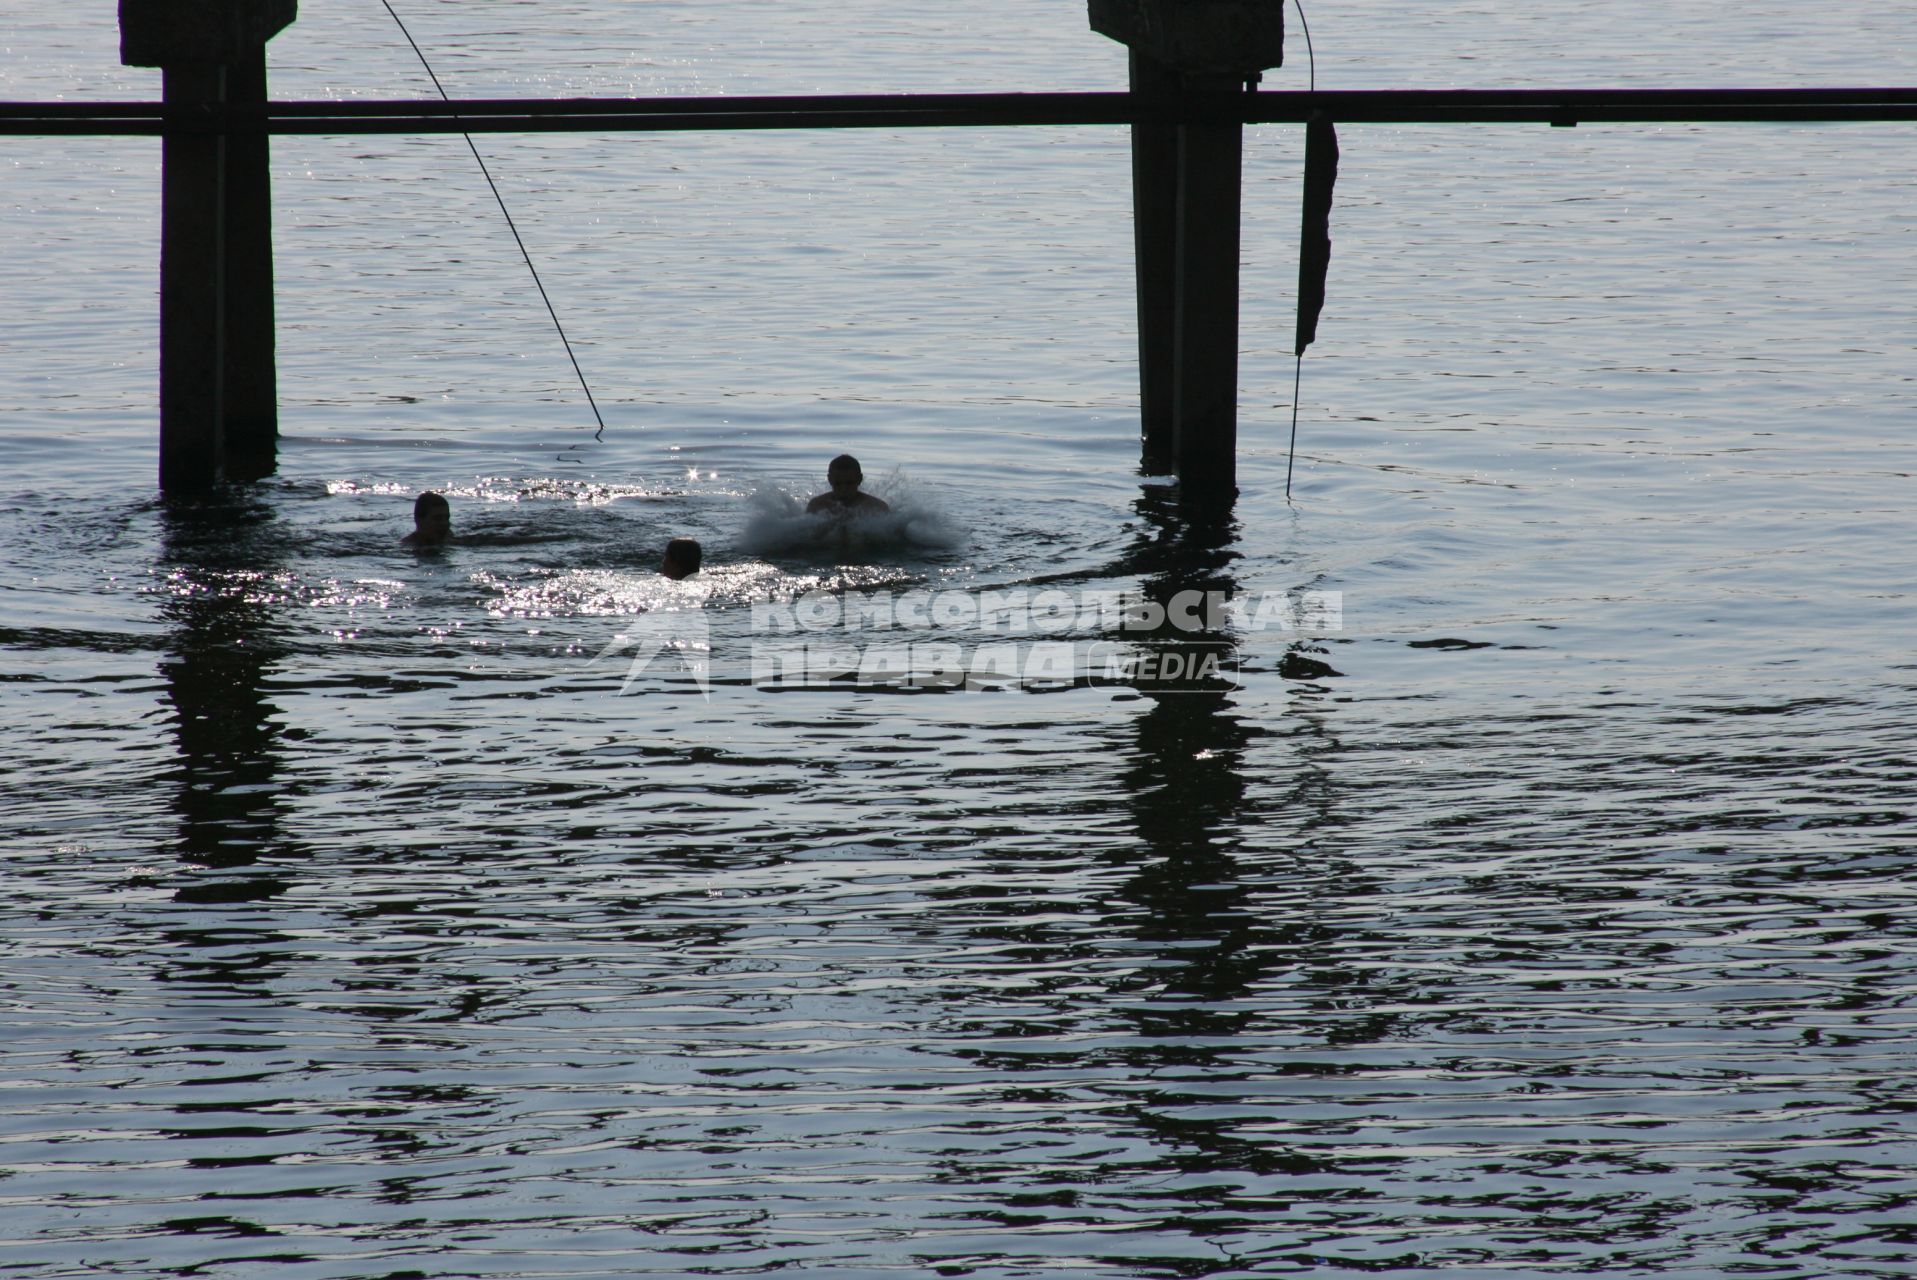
<point>1192,901</point>
<point>1190,916</point>
<point>223,563</point>
<point>1184,785</point>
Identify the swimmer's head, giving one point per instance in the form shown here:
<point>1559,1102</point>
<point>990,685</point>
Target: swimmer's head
<point>432,518</point>
<point>844,474</point>
<point>683,556</point>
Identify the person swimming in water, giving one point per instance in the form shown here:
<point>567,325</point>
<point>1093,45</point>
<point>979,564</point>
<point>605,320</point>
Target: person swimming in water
<point>682,558</point>
<point>845,476</point>
<point>432,521</point>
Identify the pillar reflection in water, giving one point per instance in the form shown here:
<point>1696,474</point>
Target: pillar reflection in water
<point>1197,906</point>
<point>222,583</point>
<point>1185,784</point>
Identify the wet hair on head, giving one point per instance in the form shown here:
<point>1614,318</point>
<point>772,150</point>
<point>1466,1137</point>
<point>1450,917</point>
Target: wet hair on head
<point>844,462</point>
<point>683,555</point>
<point>429,501</point>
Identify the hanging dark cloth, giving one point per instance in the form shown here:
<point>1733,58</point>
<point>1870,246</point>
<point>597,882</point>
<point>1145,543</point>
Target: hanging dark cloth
<point>1314,246</point>
<point>1314,255</point>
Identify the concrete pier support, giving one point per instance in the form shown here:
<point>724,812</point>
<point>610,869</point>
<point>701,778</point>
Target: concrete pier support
<point>1155,253</point>
<point>1205,386</point>
<point>218,398</point>
<point>1185,207</point>
<point>251,394</point>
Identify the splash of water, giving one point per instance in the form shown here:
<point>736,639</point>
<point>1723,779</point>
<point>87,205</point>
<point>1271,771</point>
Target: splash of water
<point>779,525</point>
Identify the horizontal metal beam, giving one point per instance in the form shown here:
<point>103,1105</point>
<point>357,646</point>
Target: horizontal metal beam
<point>897,111</point>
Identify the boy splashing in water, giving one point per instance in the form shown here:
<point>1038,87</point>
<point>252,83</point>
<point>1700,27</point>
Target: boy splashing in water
<point>845,476</point>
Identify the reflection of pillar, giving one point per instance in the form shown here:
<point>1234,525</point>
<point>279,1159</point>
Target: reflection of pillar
<point>219,657</point>
<point>1186,782</point>
<point>1185,206</point>
<point>218,418</point>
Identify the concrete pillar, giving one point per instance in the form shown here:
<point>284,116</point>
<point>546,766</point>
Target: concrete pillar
<point>1185,204</point>
<point>192,290</point>
<point>251,393</point>
<point>1210,160</point>
<point>218,412</point>
<point>1155,257</point>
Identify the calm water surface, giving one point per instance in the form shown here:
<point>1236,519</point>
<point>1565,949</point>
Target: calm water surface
<point>365,915</point>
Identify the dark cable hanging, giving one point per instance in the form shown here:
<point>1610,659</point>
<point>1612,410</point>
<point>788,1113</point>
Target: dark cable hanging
<point>510,226</point>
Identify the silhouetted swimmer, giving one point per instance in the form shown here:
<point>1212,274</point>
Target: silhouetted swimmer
<point>432,521</point>
<point>682,558</point>
<point>845,476</point>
